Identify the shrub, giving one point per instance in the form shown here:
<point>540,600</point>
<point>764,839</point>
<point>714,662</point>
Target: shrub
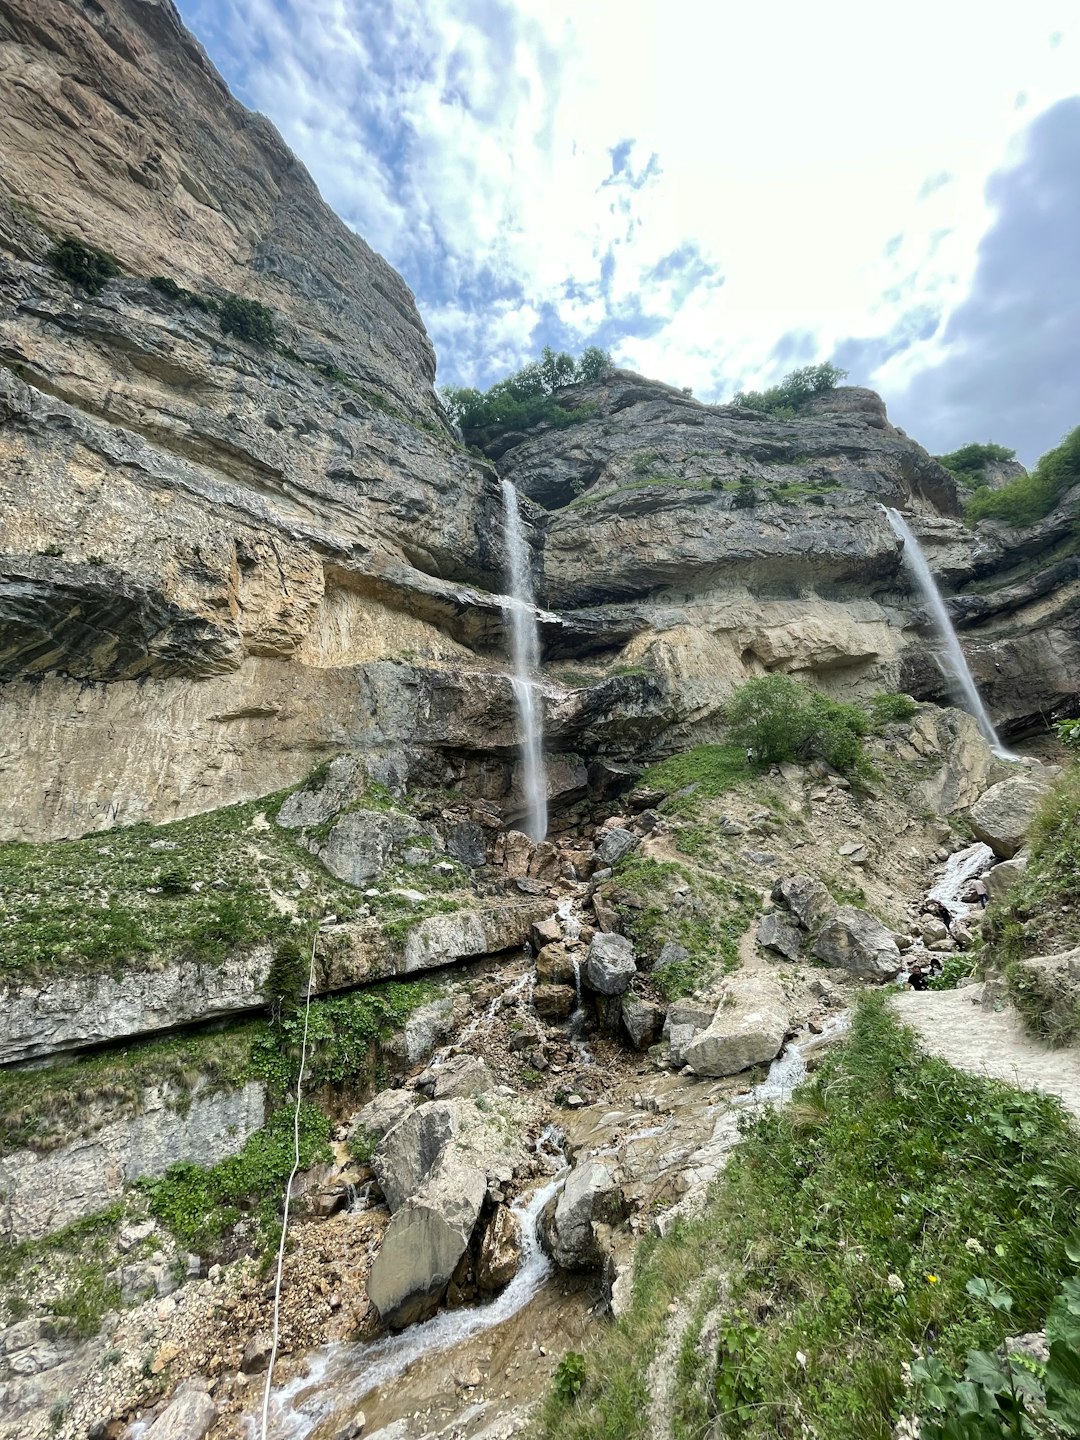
<point>887,708</point>
<point>570,1376</point>
<point>82,265</point>
<point>784,400</point>
<point>526,397</point>
<point>247,319</point>
<point>1030,497</point>
<point>168,286</point>
<point>968,464</point>
<point>1068,732</point>
<point>781,719</point>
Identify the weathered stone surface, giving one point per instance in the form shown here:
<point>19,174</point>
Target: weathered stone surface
<point>43,1192</point>
<point>466,842</point>
<point>609,965</point>
<point>615,844</point>
<point>546,932</point>
<point>500,1251</point>
<point>747,1029</point>
<point>672,953</point>
<point>555,965</point>
<point>1050,988</point>
<point>860,944</point>
<point>553,1003</point>
<point>424,1242</point>
<point>589,1198</point>
<point>776,933</point>
<point>188,1416</point>
<point>806,898</point>
<point>382,1113</point>
<point>643,1021</point>
<point>684,1020</point>
<point>1000,879</point>
<point>1002,816</point>
<point>463,1075</point>
<point>407,1154</point>
<point>362,842</point>
<point>955,738</point>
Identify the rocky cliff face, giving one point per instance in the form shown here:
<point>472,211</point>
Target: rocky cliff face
<point>221,562</point>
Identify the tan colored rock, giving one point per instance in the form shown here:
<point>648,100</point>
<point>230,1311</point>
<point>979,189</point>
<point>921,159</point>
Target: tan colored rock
<point>500,1251</point>
<point>747,1028</point>
<point>1001,818</point>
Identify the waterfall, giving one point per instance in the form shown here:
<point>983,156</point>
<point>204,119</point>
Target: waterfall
<point>955,665</point>
<point>525,651</point>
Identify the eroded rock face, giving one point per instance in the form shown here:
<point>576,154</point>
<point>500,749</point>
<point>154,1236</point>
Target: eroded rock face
<point>500,1251</point>
<point>609,965</point>
<point>858,943</point>
<point>1050,987</point>
<point>806,897</point>
<point>748,1028</point>
<point>408,1153</point>
<point>589,1199</point>
<point>1002,816</point>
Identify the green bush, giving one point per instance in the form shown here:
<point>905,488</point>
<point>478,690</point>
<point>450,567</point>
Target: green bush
<point>888,708</point>
<point>968,464</point>
<point>783,401</point>
<point>570,1376</point>
<point>782,719</point>
<point>247,319</point>
<point>526,397</point>
<point>82,265</point>
<point>1029,498</point>
<point>1068,732</point>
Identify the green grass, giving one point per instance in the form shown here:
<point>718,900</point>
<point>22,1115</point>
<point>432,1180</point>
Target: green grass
<point>713,769</point>
<point>74,1264</point>
<point>709,928</point>
<point>887,1164</point>
<point>108,901</point>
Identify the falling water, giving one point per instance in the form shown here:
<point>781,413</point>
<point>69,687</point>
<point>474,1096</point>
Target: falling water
<point>525,650</point>
<point>955,665</point>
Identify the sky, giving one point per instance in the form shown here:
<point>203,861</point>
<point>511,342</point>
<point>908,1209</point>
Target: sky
<point>714,192</point>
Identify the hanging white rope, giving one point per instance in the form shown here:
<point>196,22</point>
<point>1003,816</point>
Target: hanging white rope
<point>264,1428</point>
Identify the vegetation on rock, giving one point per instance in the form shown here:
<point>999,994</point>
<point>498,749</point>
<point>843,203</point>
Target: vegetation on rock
<point>784,401</point>
<point>1027,499</point>
<point>247,319</point>
<point>780,719</point>
<point>525,398</point>
<point>83,265</point>
<point>968,464</point>
<point>844,1236</point>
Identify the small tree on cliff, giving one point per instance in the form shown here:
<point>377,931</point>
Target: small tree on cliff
<point>781,719</point>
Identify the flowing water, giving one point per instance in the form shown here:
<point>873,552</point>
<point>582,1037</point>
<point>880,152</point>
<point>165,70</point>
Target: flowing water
<point>953,662</point>
<point>525,652</point>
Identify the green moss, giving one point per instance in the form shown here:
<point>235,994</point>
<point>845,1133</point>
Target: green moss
<point>196,889</point>
<point>74,1264</point>
<point>847,1228</point>
<point>83,265</point>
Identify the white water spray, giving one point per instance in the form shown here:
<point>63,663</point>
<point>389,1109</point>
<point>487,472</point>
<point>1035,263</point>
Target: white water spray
<point>955,665</point>
<point>525,651</point>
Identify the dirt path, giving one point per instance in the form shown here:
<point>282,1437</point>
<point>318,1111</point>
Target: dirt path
<point>954,1026</point>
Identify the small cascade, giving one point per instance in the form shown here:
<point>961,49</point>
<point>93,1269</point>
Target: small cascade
<point>953,662</point>
<point>960,870</point>
<point>571,925</point>
<point>341,1376</point>
<point>788,1070</point>
<point>524,984</point>
<point>525,652</point>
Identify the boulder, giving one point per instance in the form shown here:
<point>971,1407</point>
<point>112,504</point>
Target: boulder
<point>609,964</point>
<point>1002,816</point>
<point>466,843</point>
<point>684,1020</point>
<point>931,929</point>
<point>643,1020</point>
<point>1001,878</point>
<point>554,1003</point>
<point>545,932</point>
<point>407,1154</point>
<point>424,1242</point>
<point>859,943</point>
<point>589,1198</point>
<point>615,844</point>
<point>747,1029</point>
<point>519,850</point>
<point>382,1113</point>
<point>500,1250</point>
<point>555,966</point>
<point>463,1075</point>
<point>1047,987</point>
<point>671,954</point>
<point>545,864</point>
<point>806,898</point>
<point>774,932</point>
<point>361,842</point>
<point>188,1416</point>
<point>425,1028</point>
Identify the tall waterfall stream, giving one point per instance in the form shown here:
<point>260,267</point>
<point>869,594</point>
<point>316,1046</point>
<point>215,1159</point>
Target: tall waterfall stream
<point>525,653</point>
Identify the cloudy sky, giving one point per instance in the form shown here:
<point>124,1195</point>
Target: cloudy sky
<point>716,192</point>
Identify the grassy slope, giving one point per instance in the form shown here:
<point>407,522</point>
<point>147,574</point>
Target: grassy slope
<point>887,1164</point>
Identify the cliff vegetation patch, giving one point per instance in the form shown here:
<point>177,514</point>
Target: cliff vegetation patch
<point>784,401</point>
<point>1030,497</point>
<point>867,1225</point>
<point>82,265</point>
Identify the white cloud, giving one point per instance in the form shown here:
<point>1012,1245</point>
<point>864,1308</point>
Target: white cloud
<point>782,151</point>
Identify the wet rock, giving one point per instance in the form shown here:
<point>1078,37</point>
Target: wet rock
<point>407,1154</point>
<point>424,1243</point>
<point>553,1003</point>
<point>615,844</point>
<point>643,1020</point>
<point>545,932</point>
<point>354,1428</point>
<point>685,1019</point>
<point>555,966</point>
<point>1002,816</point>
<point>1001,878</point>
<point>466,843</point>
<point>806,898</point>
<point>747,1029</point>
<point>776,933</point>
<point>382,1113</point>
<point>188,1416</point>
<point>500,1251</point>
<point>858,943</point>
<point>609,964</point>
<point>589,1198</point>
<point>463,1075</point>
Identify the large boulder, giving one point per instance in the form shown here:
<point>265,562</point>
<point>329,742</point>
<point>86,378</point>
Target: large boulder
<point>188,1416</point>
<point>463,1075</point>
<point>953,737</point>
<point>407,1154</point>
<point>500,1250</point>
<point>610,964</point>
<point>858,943</point>
<point>382,1113</point>
<point>1002,817</point>
<point>615,844</point>
<point>776,932</point>
<point>685,1019</point>
<point>424,1242</point>
<point>642,1020</point>
<point>747,1029</point>
<point>806,898</point>
<point>590,1198</point>
<point>362,842</point>
<point>555,966</point>
<point>1000,879</point>
<point>1047,990</point>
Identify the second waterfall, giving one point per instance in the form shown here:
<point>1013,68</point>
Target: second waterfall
<point>525,653</point>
